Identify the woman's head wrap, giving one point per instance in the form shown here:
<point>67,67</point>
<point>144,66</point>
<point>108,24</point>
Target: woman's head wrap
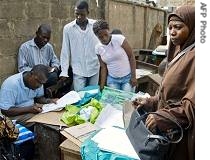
<point>185,14</point>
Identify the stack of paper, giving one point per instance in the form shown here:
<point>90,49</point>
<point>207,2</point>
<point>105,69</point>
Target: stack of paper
<point>142,72</point>
<point>69,98</point>
<point>115,140</point>
<point>110,116</point>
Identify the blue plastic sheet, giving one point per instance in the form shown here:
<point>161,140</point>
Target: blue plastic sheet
<point>88,96</point>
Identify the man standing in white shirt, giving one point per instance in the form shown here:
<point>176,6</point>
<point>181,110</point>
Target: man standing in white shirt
<point>78,49</point>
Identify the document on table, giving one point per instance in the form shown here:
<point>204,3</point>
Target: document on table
<point>69,98</point>
<point>110,116</point>
<point>115,140</point>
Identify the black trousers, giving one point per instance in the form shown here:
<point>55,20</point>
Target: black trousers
<point>53,80</point>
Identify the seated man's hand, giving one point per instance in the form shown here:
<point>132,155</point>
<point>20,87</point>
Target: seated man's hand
<point>36,108</point>
<point>56,69</point>
<point>52,100</point>
<point>51,69</point>
<point>62,78</point>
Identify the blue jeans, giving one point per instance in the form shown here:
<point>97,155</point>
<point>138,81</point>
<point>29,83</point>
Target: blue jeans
<point>81,82</point>
<point>122,83</point>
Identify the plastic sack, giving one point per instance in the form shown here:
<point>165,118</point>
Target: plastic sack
<point>72,116</point>
<point>87,94</point>
<point>24,135</point>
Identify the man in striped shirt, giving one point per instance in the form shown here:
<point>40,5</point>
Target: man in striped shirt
<point>39,51</point>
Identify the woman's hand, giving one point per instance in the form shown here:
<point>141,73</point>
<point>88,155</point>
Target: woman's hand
<point>151,123</point>
<point>133,82</point>
<point>139,102</point>
<point>101,88</point>
<point>148,104</point>
<point>142,102</point>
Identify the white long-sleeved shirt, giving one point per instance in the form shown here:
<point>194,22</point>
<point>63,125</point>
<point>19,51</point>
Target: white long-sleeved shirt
<point>30,55</point>
<point>78,50</point>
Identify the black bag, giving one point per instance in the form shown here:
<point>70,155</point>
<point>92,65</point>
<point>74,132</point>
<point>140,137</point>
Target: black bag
<point>147,145</point>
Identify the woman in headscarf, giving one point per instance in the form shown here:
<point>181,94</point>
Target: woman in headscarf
<point>176,96</point>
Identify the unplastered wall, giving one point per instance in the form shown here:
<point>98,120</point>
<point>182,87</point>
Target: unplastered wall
<point>135,20</point>
<point>19,20</point>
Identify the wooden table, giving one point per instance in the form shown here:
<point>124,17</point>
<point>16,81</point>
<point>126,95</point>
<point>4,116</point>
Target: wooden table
<point>147,56</point>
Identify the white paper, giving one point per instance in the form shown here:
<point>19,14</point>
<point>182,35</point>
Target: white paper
<point>69,98</point>
<point>110,116</point>
<point>115,140</point>
<point>142,72</point>
<point>140,95</point>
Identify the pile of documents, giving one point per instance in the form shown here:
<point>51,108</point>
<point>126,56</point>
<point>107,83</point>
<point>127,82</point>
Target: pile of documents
<point>69,98</point>
<point>115,140</point>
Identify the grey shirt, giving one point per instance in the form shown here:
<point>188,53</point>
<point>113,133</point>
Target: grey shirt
<point>30,55</point>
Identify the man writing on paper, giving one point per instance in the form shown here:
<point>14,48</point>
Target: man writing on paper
<point>22,94</point>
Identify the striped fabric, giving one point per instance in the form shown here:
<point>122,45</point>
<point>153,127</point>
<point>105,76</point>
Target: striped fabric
<point>24,134</point>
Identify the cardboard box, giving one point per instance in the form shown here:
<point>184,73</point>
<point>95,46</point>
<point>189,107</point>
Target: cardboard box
<point>70,150</point>
<point>77,134</point>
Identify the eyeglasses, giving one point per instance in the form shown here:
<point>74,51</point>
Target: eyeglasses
<point>39,81</point>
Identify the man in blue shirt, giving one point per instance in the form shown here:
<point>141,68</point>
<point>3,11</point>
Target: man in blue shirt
<point>22,94</point>
<point>39,51</point>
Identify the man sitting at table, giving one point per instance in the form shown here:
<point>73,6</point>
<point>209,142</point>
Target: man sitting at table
<point>22,94</point>
<point>39,51</point>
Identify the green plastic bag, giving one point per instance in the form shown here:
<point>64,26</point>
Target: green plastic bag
<point>72,116</point>
<point>69,115</point>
